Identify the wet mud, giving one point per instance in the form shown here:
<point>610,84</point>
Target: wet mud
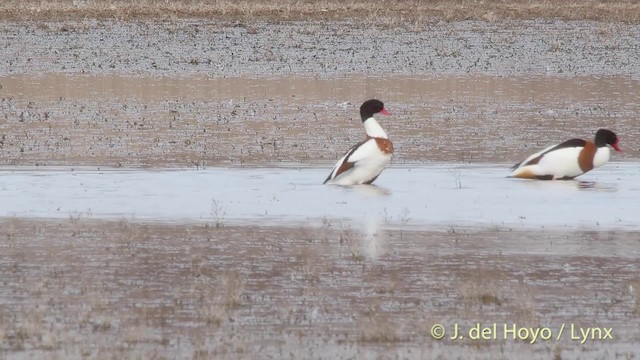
<point>195,93</point>
<point>123,121</point>
<point>85,288</point>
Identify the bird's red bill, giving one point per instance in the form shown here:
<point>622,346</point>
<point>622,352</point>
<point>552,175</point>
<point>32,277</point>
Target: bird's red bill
<point>616,147</point>
<point>385,112</point>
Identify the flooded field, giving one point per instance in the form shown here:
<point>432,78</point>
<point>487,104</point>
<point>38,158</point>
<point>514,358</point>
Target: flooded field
<point>161,197</point>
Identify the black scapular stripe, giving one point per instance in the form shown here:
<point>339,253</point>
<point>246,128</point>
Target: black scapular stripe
<point>567,144</point>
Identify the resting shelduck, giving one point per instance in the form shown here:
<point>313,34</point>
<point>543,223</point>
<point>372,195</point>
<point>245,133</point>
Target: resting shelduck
<point>364,162</point>
<point>567,160</point>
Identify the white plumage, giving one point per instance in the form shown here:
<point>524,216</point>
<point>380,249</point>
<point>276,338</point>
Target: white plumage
<point>569,159</point>
<point>364,162</point>
<point>368,162</point>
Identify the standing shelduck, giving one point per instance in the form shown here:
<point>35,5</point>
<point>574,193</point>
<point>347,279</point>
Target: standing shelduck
<point>567,160</point>
<point>364,162</point>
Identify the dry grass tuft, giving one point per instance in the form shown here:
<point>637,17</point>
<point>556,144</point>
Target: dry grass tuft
<point>634,291</point>
<point>389,12</point>
<point>10,227</point>
<point>218,213</point>
<point>233,283</point>
<point>379,329</point>
<point>481,289</point>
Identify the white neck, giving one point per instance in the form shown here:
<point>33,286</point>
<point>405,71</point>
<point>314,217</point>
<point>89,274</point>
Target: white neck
<point>603,154</point>
<point>373,129</point>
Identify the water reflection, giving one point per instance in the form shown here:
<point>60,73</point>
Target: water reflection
<point>373,240</point>
<point>597,186</point>
<point>371,190</point>
<point>570,185</point>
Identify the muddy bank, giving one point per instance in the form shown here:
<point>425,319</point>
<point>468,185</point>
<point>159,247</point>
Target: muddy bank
<point>80,287</point>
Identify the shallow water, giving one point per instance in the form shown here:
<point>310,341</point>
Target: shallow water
<point>418,195</point>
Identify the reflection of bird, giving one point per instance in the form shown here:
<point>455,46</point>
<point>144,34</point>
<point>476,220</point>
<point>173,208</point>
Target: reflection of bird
<point>371,190</point>
<point>373,241</point>
<point>365,161</point>
<point>569,159</point>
